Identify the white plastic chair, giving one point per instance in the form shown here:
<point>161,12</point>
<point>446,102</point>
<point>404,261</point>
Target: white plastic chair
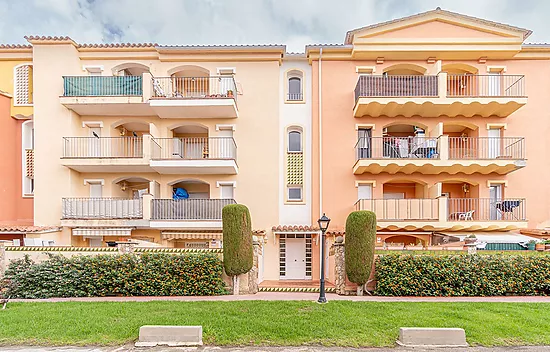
<point>467,215</point>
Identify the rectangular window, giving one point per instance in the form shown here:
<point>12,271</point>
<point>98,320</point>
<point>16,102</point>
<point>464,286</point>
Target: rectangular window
<point>294,193</point>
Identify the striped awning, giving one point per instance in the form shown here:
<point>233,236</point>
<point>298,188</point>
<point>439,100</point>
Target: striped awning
<point>190,235</point>
<point>99,232</point>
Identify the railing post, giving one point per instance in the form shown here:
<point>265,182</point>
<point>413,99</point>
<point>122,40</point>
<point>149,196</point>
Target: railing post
<point>147,82</point>
<point>442,85</point>
<point>443,207</point>
<point>147,201</point>
<point>444,147</point>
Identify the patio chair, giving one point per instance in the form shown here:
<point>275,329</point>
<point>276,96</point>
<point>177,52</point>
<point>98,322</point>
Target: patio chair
<point>467,215</point>
<point>159,92</point>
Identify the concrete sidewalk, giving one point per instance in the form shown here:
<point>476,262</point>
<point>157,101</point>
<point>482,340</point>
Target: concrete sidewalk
<point>270,349</point>
<point>298,296</point>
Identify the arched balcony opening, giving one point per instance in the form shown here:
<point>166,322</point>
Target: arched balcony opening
<point>130,69</point>
<point>404,70</point>
<point>405,141</point>
<point>130,187</point>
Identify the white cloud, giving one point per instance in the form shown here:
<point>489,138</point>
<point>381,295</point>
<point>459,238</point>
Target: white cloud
<point>291,22</point>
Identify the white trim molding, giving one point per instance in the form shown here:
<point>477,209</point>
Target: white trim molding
<point>92,124</point>
<point>226,183</point>
<point>365,182</point>
<point>225,127</point>
<point>226,70</point>
<point>501,69</point>
<point>88,181</point>
<point>93,68</point>
<point>365,69</point>
<point>497,182</point>
<point>372,126</point>
<point>497,125</point>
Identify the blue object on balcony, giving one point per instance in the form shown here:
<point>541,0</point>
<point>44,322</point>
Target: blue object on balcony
<point>102,86</point>
<point>180,193</point>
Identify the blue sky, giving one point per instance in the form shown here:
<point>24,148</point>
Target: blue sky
<point>291,22</point>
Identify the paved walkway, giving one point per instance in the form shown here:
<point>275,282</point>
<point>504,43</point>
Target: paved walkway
<point>298,296</point>
<point>271,349</point>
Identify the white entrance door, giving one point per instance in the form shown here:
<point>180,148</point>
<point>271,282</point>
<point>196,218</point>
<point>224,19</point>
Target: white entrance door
<point>495,195</point>
<point>295,258</point>
<point>494,143</point>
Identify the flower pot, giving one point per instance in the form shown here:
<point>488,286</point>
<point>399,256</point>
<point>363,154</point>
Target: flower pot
<point>539,247</point>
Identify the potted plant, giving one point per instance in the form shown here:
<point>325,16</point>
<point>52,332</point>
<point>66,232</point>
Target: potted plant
<point>539,246</point>
<point>230,93</point>
<point>470,239</point>
<point>531,245</point>
<point>547,245</point>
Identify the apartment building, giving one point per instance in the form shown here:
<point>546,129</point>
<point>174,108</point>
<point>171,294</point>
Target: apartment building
<point>437,123</point>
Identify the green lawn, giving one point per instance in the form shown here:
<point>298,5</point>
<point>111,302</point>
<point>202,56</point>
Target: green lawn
<point>273,322</point>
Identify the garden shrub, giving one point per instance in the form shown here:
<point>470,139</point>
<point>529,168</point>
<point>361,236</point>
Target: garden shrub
<point>359,248</point>
<point>157,274</point>
<point>462,275</point>
<point>238,252</point>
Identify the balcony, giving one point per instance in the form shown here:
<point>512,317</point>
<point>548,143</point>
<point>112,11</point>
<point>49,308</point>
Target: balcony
<point>181,97</point>
<point>188,213</point>
<point>105,154</point>
<point>105,95</point>
<point>102,212</point>
<point>439,95</point>
<point>449,214</point>
<point>434,155</point>
<point>194,155</point>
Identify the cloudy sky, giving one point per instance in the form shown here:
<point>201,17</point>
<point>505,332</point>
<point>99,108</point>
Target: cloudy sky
<point>291,22</point>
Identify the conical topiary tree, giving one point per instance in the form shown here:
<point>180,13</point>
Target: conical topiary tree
<point>359,247</point>
<point>238,252</point>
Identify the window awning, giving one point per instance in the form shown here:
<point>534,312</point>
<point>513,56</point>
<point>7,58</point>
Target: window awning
<point>99,232</point>
<point>190,235</point>
<point>492,237</point>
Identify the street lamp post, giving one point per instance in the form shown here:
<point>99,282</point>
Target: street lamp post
<point>323,226</point>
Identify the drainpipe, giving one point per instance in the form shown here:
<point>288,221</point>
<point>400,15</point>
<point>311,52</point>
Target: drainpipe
<point>320,137</point>
<point>320,157</point>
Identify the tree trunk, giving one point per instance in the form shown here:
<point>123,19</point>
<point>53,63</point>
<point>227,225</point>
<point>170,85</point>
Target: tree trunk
<point>236,283</point>
<point>359,290</point>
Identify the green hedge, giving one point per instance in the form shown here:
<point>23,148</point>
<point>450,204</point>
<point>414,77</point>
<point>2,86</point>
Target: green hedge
<point>238,252</point>
<point>121,275</point>
<point>462,275</point>
<point>359,249</point>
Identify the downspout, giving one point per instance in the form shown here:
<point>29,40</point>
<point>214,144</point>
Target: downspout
<point>320,137</point>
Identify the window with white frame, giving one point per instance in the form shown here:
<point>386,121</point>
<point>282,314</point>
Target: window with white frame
<point>295,193</point>
<point>295,86</point>
<point>294,141</point>
<point>23,92</point>
<point>27,146</point>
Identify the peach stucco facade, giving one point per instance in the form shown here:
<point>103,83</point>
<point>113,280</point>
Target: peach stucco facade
<point>436,122</point>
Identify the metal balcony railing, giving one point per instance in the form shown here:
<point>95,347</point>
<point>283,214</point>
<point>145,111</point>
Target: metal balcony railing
<point>212,87</point>
<point>295,97</point>
<point>401,209</point>
<point>486,209</point>
<point>189,209</point>
<point>396,86</point>
<point>194,148</point>
<point>397,148</point>
<point>486,148</point>
<point>485,85</point>
<point>102,208</point>
<point>102,147</point>
<point>102,86</point>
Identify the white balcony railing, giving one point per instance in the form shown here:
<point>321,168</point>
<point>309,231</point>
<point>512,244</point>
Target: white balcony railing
<point>102,208</point>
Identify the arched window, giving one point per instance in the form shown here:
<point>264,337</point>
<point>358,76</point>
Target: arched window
<point>22,80</point>
<point>295,85</point>
<point>294,141</point>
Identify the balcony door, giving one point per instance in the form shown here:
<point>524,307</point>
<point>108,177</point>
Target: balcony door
<point>94,147</point>
<point>226,191</point>
<point>364,146</point>
<point>494,142</point>
<point>495,197</point>
<point>494,81</point>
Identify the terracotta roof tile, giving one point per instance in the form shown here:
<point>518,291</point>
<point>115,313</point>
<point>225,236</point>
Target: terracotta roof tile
<point>536,232</point>
<point>15,46</point>
<point>27,229</point>
<point>117,45</point>
<point>47,37</point>
<point>294,228</point>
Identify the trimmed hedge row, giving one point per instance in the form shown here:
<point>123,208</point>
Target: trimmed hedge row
<point>359,249</point>
<point>462,275</point>
<point>156,274</point>
<point>238,252</point>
